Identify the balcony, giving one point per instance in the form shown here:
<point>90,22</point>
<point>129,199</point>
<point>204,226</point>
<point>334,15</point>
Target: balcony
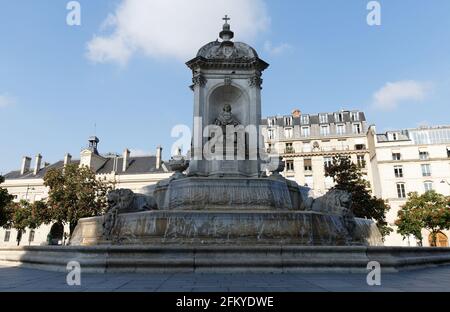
<point>337,148</point>
<point>289,150</point>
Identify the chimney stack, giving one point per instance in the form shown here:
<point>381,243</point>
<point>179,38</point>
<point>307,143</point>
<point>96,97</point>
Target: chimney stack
<point>37,164</point>
<point>126,158</point>
<point>296,113</point>
<point>158,157</point>
<point>67,159</point>
<point>26,162</point>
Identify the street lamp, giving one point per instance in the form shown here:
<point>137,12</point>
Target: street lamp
<point>28,189</point>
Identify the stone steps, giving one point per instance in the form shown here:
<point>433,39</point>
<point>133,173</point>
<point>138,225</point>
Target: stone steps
<point>224,259</point>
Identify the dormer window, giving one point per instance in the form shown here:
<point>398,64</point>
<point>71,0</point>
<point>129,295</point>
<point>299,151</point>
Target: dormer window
<point>394,136</point>
<point>323,118</point>
<point>288,121</point>
<point>305,119</point>
<point>355,116</point>
<point>339,117</point>
<point>271,121</point>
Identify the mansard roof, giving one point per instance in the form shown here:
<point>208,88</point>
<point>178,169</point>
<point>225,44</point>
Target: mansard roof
<point>136,165</point>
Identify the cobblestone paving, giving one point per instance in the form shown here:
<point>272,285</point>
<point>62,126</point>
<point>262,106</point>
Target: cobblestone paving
<point>24,279</point>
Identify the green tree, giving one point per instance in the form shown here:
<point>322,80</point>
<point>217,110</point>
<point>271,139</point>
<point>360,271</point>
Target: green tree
<point>5,202</point>
<point>74,193</point>
<point>430,211</point>
<point>348,177</point>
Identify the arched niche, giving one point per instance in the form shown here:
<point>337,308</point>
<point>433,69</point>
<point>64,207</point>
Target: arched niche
<point>232,95</point>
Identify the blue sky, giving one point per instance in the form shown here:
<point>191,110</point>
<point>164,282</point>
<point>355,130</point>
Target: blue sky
<point>127,75</point>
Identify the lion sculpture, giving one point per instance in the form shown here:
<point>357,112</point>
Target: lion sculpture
<point>124,201</point>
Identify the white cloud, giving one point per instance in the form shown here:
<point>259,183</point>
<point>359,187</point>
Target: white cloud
<point>392,94</point>
<point>278,49</point>
<point>6,100</point>
<point>173,28</point>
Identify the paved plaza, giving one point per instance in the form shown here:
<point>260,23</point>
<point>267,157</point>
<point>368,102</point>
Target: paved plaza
<point>29,280</point>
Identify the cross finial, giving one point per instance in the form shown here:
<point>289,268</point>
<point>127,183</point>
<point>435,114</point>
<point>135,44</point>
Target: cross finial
<point>226,19</point>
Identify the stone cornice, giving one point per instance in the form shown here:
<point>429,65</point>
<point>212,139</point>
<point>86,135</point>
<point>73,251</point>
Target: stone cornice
<point>254,63</point>
<point>322,153</point>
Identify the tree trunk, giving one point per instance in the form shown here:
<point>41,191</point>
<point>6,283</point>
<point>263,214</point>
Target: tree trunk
<point>433,239</point>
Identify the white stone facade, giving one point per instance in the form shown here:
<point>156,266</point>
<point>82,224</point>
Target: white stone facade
<point>308,142</point>
<point>413,160</point>
<point>28,184</point>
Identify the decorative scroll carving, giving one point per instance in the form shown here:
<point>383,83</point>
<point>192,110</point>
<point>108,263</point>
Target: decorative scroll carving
<point>255,81</point>
<point>199,80</point>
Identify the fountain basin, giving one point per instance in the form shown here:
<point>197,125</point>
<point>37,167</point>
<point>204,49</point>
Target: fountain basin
<point>227,227</point>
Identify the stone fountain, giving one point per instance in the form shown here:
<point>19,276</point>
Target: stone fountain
<point>229,191</point>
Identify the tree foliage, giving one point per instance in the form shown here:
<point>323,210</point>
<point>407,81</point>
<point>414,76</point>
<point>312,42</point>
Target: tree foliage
<point>74,193</point>
<point>430,211</point>
<point>5,202</point>
<point>348,177</point>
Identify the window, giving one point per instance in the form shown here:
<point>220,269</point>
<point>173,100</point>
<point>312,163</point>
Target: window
<point>325,130</point>
<point>448,152</point>
<point>360,147</point>
<point>288,133</point>
<point>31,236</point>
<point>305,119</point>
<point>339,117</point>
<point>357,128</point>
<point>401,190</point>
<point>271,134</point>
<point>361,161</point>
<point>398,171</point>
<point>288,121</point>
<point>424,155</point>
<point>426,170</point>
<point>327,162</point>
<point>428,185</point>
<point>323,118</point>
<point>308,165</point>
<point>306,131</point>
<point>290,165</point>
<point>340,129</point>
<point>289,148</point>
<point>394,136</point>
<point>355,116</point>
<point>7,235</point>
<point>396,156</point>
<point>271,121</point>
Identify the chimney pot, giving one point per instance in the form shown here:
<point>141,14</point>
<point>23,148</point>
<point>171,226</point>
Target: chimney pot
<point>126,158</point>
<point>26,162</point>
<point>37,165</point>
<point>67,159</point>
<point>158,157</point>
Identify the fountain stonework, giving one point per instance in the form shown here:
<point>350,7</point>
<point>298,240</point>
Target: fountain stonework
<point>225,214</point>
<point>222,195</point>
